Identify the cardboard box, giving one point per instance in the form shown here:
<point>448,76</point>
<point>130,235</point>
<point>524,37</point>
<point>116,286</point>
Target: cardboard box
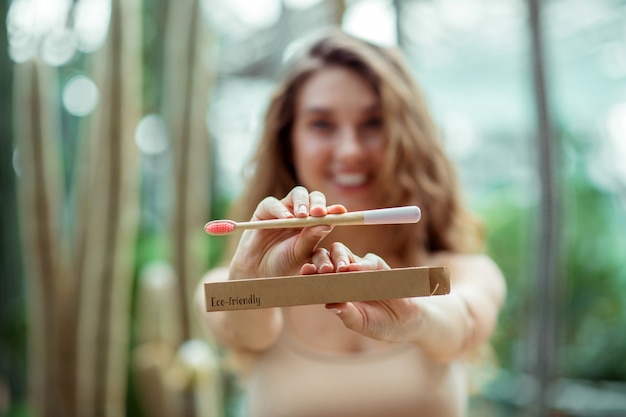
<point>326,288</point>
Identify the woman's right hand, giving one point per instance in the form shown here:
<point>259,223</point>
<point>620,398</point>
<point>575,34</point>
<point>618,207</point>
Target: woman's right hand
<point>279,252</point>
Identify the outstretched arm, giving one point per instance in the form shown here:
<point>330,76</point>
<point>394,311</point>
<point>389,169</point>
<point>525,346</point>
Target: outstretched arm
<point>251,330</point>
<point>267,253</point>
<point>463,320</point>
<point>445,327</point>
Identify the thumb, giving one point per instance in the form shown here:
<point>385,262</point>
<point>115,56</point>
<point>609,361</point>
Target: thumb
<point>308,240</point>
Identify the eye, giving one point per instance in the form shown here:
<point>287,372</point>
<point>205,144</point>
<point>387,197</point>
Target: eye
<point>373,123</point>
<point>321,125</point>
<point>372,126</point>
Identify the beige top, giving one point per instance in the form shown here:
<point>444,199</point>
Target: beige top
<point>293,380</point>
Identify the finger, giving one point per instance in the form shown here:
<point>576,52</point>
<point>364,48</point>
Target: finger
<point>349,315</point>
<point>317,202</point>
<point>321,260</point>
<point>341,256</point>
<point>271,208</point>
<point>307,242</point>
<point>336,209</point>
<point>298,199</point>
<point>370,262</point>
<point>308,269</point>
<point>320,263</point>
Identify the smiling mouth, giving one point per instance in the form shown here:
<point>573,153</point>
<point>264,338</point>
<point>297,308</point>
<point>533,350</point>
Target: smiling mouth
<point>350,180</point>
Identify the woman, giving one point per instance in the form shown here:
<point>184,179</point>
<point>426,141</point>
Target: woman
<point>348,129</point>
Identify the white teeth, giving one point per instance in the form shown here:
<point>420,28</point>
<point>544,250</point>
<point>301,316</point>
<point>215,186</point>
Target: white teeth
<point>350,180</point>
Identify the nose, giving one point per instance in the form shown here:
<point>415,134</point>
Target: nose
<point>348,144</point>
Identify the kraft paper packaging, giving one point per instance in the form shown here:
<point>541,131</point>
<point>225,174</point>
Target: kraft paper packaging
<point>326,288</point>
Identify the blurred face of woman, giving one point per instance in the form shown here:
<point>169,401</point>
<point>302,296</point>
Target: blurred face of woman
<point>338,138</point>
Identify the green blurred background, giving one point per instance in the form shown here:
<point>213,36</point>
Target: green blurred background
<point>125,125</point>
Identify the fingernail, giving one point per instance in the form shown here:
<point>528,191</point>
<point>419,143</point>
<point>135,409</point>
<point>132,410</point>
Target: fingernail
<point>287,213</point>
<point>335,311</point>
<point>341,264</point>
<point>303,209</point>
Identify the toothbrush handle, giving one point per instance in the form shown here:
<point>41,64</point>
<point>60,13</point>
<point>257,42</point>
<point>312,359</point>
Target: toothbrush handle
<point>394,215</point>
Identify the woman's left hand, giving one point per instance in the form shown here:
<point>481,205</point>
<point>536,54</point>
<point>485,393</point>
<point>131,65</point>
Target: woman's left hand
<point>394,320</point>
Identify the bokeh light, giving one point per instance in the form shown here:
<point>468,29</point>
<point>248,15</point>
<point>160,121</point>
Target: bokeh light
<point>91,23</point>
<point>256,14</point>
<point>374,20</point>
<point>35,24</point>
<point>151,135</point>
<point>80,95</point>
<point>58,47</point>
<point>56,29</point>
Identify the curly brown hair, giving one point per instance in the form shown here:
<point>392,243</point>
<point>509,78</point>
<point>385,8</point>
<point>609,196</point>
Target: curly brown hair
<point>415,163</point>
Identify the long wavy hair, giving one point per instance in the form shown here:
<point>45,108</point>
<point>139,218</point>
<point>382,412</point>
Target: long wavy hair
<point>415,165</point>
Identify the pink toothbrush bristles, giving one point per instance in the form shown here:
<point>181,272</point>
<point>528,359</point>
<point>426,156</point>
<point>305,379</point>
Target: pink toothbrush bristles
<point>219,227</point>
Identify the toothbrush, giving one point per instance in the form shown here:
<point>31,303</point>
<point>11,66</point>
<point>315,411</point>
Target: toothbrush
<point>394,215</point>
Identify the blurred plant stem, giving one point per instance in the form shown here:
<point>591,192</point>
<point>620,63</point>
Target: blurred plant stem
<point>79,304</point>
<point>165,326</point>
<point>187,80</point>
<point>41,200</point>
<point>108,216</point>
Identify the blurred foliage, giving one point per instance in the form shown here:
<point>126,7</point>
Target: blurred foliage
<point>592,271</point>
<point>509,225</point>
<point>13,322</point>
<point>593,242</point>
